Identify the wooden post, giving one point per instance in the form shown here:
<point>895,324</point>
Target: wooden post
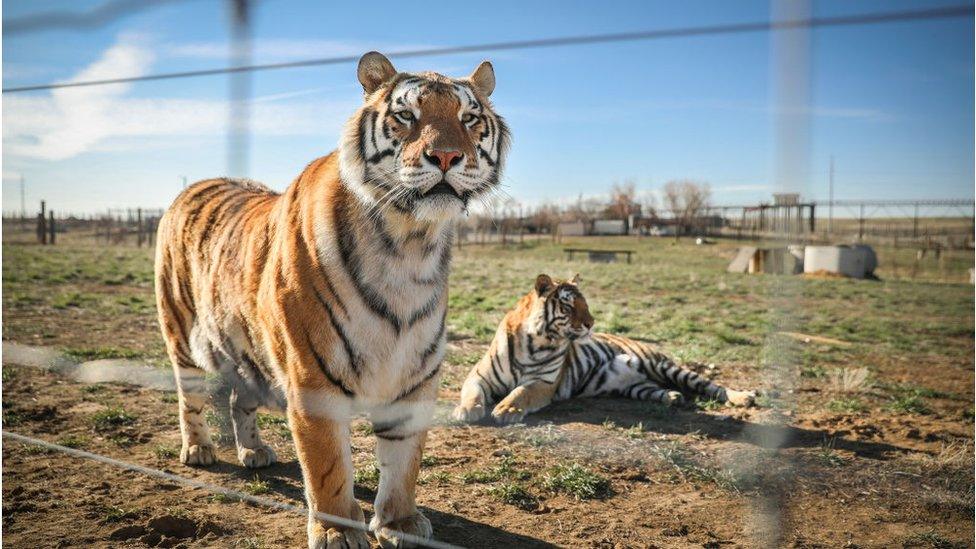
<point>139,228</point>
<point>915,223</point>
<point>42,226</point>
<point>50,226</point>
<point>860,225</point>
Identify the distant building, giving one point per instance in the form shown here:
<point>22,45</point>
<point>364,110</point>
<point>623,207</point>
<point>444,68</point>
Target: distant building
<point>609,227</point>
<point>571,228</point>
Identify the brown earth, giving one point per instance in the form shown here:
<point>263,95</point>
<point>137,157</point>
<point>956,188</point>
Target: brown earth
<point>678,478</point>
<point>885,464</point>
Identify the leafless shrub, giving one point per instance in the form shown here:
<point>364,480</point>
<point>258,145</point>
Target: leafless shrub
<point>849,380</point>
<point>688,202</point>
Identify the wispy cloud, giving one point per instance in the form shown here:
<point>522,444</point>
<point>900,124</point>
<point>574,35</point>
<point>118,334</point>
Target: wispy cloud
<point>281,49</point>
<point>70,122</point>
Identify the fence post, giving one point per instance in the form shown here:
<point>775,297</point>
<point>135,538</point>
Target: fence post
<point>139,227</point>
<point>915,223</point>
<point>860,224</point>
<point>42,226</point>
<point>51,225</point>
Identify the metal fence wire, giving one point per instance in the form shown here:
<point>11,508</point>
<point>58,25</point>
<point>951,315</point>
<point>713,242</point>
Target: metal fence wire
<point>791,27</point>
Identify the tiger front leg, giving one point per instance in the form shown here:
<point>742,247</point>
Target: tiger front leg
<point>474,400</point>
<point>322,445</point>
<point>523,400</point>
<point>401,430</point>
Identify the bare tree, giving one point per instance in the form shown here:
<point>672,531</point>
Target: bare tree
<point>688,201</point>
<point>545,217</point>
<point>648,203</point>
<point>623,200</point>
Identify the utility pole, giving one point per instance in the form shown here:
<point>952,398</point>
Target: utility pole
<point>23,203</point>
<point>183,177</point>
<point>830,195</point>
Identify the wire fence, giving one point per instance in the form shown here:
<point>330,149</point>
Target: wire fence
<point>219,490</point>
<point>908,223</point>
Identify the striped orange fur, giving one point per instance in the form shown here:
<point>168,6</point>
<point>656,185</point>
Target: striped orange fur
<point>329,299</point>
<point>545,350</point>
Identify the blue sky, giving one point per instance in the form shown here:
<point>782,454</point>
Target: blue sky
<point>892,103</point>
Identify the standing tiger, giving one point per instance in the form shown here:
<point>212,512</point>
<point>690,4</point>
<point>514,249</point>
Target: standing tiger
<point>544,351</point>
<point>331,297</point>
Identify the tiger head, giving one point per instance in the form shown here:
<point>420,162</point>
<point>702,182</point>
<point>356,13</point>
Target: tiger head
<point>555,309</point>
<point>423,144</point>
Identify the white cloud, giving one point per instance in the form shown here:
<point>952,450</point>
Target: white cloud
<point>72,121</point>
<point>283,49</point>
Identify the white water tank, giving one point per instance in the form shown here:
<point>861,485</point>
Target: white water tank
<point>852,261</point>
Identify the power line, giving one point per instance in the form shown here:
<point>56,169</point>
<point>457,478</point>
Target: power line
<point>107,12</point>
<point>734,28</point>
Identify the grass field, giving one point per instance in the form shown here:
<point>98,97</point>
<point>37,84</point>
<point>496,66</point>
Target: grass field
<point>874,380</point>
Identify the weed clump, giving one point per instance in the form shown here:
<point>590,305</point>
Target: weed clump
<point>577,481</point>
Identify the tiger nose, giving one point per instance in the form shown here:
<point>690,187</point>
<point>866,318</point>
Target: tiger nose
<point>445,160</point>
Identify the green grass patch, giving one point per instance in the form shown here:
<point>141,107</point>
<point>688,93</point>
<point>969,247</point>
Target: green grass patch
<point>577,481</point>
<point>112,418</point>
<point>274,423</point>
<point>931,538</point>
<point>368,476</point>
<point>438,478</point>
<point>846,405</point>
<point>909,404</point>
<point>683,465</point>
<point>98,353</point>
<point>257,486</point>
<point>514,494</point>
<point>163,451</point>
<point>74,441</point>
<point>505,469</point>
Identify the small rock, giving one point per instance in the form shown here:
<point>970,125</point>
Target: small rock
<point>502,452</point>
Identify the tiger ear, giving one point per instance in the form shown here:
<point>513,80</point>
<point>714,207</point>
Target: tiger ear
<point>576,280</point>
<point>483,78</point>
<point>542,284</point>
<point>374,70</point>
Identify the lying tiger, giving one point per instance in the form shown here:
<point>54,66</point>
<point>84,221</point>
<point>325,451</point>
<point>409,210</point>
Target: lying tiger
<point>544,350</point>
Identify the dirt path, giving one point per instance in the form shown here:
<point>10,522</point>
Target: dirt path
<point>666,478</point>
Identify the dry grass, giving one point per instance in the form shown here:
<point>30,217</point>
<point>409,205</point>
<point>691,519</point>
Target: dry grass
<point>849,380</point>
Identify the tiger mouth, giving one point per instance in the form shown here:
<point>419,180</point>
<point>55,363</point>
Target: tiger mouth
<point>443,188</point>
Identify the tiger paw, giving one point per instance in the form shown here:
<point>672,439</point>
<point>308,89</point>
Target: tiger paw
<point>198,454</point>
<point>508,413</point>
<point>673,398</point>
<point>740,398</point>
<point>337,538</point>
<point>255,458</point>
<point>389,534</point>
<point>468,414</point>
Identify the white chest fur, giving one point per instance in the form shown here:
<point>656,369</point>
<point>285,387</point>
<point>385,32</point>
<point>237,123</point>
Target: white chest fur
<point>394,296</point>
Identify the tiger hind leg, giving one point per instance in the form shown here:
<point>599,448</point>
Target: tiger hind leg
<point>652,392</point>
<point>626,381</point>
<point>197,448</point>
<point>691,382</point>
<point>251,451</point>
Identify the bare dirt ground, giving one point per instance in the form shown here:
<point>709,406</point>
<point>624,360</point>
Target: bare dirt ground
<point>830,461</point>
